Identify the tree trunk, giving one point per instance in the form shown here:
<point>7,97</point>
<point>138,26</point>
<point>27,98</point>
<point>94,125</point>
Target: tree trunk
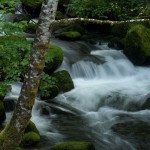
<point>11,136</point>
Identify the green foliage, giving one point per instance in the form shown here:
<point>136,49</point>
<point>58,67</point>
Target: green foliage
<point>106,9</point>
<point>4,89</point>
<point>9,28</point>
<point>8,6</point>
<point>14,56</point>
<point>74,146</point>
<point>48,86</point>
<point>30,28</point>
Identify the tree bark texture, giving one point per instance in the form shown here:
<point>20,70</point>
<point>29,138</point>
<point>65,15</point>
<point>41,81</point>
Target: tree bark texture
<point>11,136</point>
<point>96,21</point>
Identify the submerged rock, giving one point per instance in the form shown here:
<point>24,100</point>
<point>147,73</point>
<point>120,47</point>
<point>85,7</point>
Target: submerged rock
<point>136,132</point>
<point>78,145</point>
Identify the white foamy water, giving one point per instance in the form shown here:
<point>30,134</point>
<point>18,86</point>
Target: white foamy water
<point>104,91</point>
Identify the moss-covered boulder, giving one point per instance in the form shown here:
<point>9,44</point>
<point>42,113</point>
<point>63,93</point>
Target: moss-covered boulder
<point>64,81</point>
<point>54,59</point>
<point>74,146</point>
<point>70,35</point>
<point>31,128</point>
<point>30,139</point>
<point>2,112</point>
<point>137,45</point>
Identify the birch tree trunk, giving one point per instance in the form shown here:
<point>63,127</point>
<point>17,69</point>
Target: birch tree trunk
<point>11,136</point>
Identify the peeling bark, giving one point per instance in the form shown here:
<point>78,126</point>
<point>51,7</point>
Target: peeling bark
<point>10,137</point>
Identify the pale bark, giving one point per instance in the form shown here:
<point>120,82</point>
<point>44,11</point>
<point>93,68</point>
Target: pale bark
<point>96,21</point>
<point>10,137</point>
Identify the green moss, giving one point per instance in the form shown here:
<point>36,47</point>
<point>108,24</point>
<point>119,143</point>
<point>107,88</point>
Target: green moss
<point>54,59</point>
<point>120,30</point>
<point>70,35</point>
<point>30,139</point>
<point>31,127</point>
<point>137,45</point>
<point>64,81</point>
<point>74,146</point>
<point>2,112</point>
<point>18,148</point>
<point>32,3</point>
<point>30,28</point>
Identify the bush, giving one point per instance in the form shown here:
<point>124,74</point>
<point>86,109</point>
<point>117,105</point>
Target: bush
<point>30,28</point>
<point>32,3</point>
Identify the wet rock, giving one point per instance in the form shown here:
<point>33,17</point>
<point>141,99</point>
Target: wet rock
<point>136,132</point>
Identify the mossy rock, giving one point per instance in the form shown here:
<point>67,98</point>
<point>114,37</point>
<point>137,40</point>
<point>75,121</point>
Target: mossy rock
<point>70,35</point>
<point>137,45</point>
<point>74,146</point>
<point>2,112</point>
<point>54,59</point>
<point>116,43</point>
<point>30,28</point>
<point>30,139</point>
<point>18,148</point>
<point>31,128</point>
<point>32,3</point>
<point>64,81</point>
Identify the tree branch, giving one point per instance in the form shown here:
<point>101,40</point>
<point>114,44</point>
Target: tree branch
<point>96,21</point>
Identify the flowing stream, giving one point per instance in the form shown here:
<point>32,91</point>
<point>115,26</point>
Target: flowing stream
<point>109,92</point>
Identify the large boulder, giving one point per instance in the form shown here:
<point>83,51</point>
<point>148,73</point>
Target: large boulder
<point>74,146</point>
<point>2,112</point>
<point>137,46</point>
<point>54,59</point>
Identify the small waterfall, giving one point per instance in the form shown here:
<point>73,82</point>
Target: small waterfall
<point>109,91</point>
